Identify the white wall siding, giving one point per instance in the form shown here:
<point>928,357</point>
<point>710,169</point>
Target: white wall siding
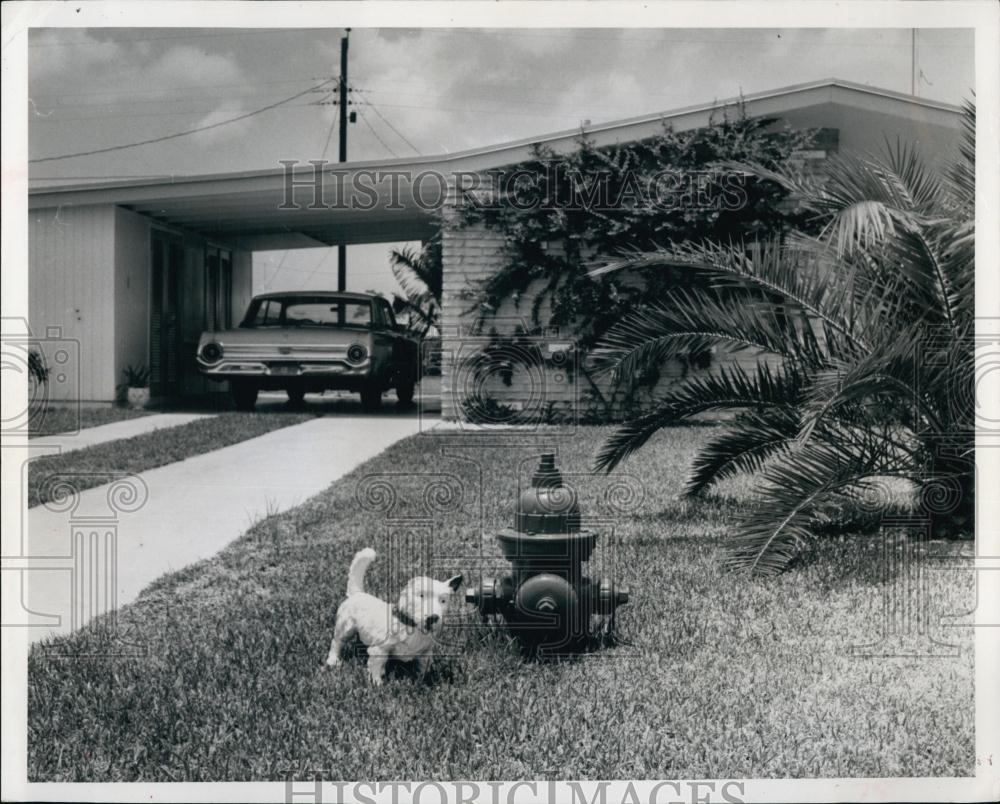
<point>71,260</point>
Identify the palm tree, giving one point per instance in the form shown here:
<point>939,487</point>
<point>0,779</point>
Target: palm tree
<point>866,333</point>
<point>419,274</point>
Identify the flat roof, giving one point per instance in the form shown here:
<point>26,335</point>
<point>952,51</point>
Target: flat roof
<point>251,208</point>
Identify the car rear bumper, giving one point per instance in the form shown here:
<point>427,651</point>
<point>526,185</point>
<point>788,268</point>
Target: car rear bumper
<point>281,374</point>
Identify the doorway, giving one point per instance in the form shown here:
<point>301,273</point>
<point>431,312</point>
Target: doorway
<point>165,364</point>
<point>218,288</point>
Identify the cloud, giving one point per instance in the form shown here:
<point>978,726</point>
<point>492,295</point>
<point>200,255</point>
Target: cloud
<point>395,34</point>
<point>233,131</point>
<point>186,66</point>
<point>52,52</point>
<point>443,90</point>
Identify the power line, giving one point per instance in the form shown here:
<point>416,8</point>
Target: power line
<point>179,133</point>
<point>370,126</point>
<point>49,118</point>
<point>470,109</point>
<point>329,134</point>
<point>184,90</point>
<point>390,125</point>
<point>312,272</point>
<point>269,281</point>
<point>50,115</point>
<point>185,97</point>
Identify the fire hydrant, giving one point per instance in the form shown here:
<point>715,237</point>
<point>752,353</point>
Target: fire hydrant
<point>546,601</point>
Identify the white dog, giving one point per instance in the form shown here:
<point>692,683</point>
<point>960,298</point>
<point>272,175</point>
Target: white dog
<point>405,631</point>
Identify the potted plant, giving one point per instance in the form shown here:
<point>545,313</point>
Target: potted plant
<point>135,387</point>
<point>38,387</point>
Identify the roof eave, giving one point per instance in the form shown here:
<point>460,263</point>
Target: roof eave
<point>564,135</point>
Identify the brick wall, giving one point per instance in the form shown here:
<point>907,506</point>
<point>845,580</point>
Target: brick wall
<point>532,375</point>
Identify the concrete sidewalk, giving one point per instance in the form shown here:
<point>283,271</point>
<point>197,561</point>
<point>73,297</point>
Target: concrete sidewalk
<point>192,510</point>
<point>126,428</point>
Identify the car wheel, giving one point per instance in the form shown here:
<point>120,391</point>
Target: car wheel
<point>404,392</point>
<point>296,396</point>
<point>371,398</point>
<point>244,395</point>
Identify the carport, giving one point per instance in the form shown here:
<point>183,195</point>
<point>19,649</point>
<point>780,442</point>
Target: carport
<point>133,272</point>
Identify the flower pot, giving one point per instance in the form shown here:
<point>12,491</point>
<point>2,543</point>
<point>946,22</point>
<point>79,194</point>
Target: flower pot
<point>137,397</point>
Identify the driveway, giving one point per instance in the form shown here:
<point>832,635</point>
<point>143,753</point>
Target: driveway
<point>191,510</point>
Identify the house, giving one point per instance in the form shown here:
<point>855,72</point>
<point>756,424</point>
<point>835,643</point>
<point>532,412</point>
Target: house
<point>134,271</point>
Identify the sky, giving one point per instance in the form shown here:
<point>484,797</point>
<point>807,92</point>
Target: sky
<point>416,91</point>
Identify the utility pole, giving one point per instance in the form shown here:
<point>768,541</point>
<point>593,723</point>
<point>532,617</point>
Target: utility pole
<point>341,248</point>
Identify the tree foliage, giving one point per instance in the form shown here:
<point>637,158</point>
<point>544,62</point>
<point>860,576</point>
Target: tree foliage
<point>420,276</point>
<point>556,212</point>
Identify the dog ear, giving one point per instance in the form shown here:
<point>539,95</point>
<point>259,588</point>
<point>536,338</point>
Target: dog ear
<point>454,582</point>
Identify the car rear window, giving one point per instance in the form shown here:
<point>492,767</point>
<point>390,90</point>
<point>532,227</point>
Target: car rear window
<point>309,312</point>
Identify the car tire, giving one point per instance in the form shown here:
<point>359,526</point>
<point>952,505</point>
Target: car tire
<point>371,398</point>
<point>244,395</point>
<point>296,396</point>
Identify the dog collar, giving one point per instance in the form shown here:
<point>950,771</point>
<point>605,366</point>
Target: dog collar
<point>404,618</point>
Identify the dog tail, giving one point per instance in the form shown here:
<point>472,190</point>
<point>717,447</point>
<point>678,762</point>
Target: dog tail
<point>359,566</point>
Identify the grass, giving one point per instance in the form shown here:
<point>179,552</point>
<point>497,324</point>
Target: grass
<point>99,464</point>
<point>722,676</point>
<point>72,418</point>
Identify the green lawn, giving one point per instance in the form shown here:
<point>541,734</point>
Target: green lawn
<point>96,465</point>
<point>72,418</point>
<point>724,676</point>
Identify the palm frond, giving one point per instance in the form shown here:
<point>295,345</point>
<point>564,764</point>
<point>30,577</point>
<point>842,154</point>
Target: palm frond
<point>912,186</point>
<point>422,312</point>
<point>693,319</point>
<point>961,179</point>
<point>424,266</point>
<point>730,388</point>
<point>743,447</point>
<point>420,276</point>
<point>765,267</point>
<point>793,486</point>
<point>406,269</point>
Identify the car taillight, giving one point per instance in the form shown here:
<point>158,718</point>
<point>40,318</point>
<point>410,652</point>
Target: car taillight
<point>211,352</point>
<point>357,353</point>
